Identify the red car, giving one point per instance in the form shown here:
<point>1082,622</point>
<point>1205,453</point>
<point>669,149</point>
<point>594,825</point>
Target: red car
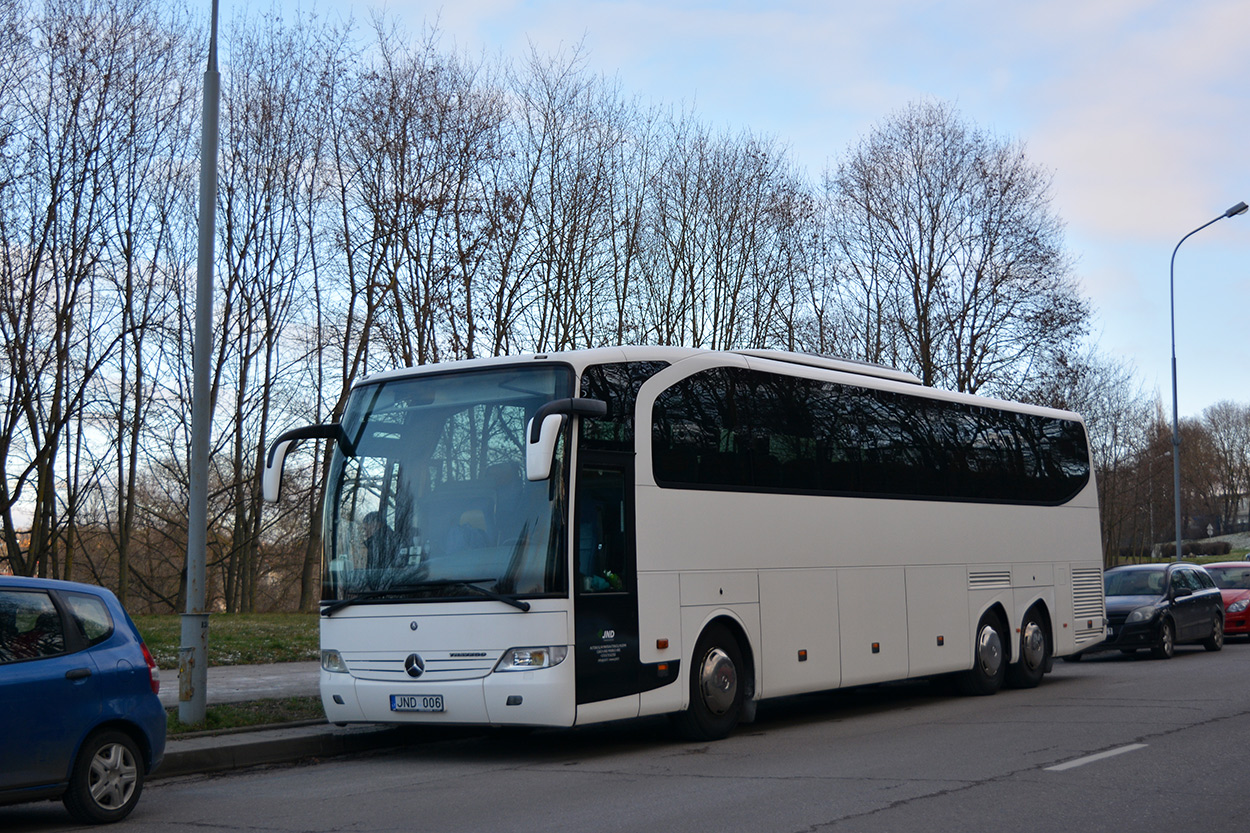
<point>1233,579</point>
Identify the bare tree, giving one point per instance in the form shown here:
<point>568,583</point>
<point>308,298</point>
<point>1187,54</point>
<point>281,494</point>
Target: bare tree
<point>1120,420</point>
<point>1228,425</point>
<point>954,260</point>
<point>57,334</point>
<point>273,158</point>
<point>570,125</point>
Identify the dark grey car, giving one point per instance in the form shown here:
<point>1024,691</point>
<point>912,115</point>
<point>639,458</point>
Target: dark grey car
<point>1158,606</point>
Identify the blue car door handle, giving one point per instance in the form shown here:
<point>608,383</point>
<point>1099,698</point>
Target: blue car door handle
<point>78,673</point>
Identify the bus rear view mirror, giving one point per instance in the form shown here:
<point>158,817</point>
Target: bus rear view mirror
<point>539,454</point>
<point>544,431</point>
<point>271,479</point>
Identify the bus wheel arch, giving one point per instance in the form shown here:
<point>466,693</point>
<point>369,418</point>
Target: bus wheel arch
<point>991,649</point>
<point>1035,651</point>
<point>721,682</point>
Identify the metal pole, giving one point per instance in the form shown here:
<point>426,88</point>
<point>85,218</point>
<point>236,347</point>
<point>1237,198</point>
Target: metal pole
<point>1239,208</point>
<point>193,652</point>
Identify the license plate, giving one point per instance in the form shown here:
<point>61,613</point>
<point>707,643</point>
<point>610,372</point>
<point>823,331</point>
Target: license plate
<point>416,702</point>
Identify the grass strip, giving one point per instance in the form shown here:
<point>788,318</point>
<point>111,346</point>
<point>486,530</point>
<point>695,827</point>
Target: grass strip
<point>236,638</point>
<point>224,716</point>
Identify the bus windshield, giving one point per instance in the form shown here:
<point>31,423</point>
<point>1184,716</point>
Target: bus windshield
<point>429,500</point>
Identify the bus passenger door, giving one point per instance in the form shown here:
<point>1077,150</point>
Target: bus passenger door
<point>605,578</point>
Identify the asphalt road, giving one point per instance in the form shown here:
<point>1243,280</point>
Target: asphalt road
<point>1112,743</point>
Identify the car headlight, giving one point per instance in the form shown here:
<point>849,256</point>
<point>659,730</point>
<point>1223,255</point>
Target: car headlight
<point>332,660</point>
<point>1238,606</point>
<point>1142,614</point>
<point>529,659</point>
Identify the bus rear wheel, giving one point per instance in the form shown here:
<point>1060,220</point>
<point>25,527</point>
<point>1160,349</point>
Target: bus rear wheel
<point>717,688</point>
<point>989,663</point>
<point>1028,670</point>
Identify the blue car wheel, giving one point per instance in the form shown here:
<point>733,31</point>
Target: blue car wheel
<point>107,779</point>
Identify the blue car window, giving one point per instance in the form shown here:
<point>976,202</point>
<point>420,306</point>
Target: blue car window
<point>30,627</point>
<point>91,616</point>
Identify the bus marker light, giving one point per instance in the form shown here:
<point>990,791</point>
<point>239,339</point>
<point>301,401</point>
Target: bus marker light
<point>661,644</point>
<point>941,641</point>
<point>876,647</point>
<point>803,655</point>
<point>513,700</point>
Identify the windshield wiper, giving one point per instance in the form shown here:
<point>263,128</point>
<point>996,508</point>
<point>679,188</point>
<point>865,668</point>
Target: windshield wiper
<point>492,594</point>
<point>470,583</point>
<point>330,609</point>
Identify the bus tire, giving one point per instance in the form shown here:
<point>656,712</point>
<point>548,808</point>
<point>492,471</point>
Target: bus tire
<point>717,688</point>
<point>1028,670</point>
<point>989,660</point>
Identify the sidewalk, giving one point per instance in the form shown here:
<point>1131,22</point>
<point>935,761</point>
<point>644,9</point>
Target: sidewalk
<point>235,683</point>
<point>204,752</point>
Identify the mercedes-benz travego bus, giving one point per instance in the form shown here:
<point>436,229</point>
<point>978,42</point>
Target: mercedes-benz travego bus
<point>564,539</point>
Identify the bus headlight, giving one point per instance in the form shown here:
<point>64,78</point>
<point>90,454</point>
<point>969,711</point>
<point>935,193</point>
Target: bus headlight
<point>333,661</point>
<point>529,659</point>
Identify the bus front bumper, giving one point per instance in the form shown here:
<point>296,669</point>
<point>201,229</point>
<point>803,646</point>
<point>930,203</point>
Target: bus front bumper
<point>542,697</point>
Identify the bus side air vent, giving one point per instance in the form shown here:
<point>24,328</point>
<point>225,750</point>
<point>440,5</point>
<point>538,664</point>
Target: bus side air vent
<point>988,579</point>
<point>1087,602</point>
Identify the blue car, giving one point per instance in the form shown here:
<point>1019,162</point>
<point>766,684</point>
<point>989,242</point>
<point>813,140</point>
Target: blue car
<point>80,718</point>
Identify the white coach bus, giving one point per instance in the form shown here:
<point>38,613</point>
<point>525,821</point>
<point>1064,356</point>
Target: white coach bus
<point>564,539</point>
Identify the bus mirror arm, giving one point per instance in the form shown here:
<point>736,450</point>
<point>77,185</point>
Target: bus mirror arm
<point>271,480</point>
<point>544,431</point>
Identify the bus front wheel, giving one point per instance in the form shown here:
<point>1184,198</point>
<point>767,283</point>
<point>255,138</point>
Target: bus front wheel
<point>989,663</point>
<point>717,688</point>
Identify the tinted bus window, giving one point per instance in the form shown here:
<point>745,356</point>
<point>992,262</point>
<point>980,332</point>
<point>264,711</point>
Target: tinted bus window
<point>732,428</point>
<point>616,384</point>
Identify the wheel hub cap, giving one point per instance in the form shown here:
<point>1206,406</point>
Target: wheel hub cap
<point>1033,645</point>
<point>113,776</point>
<point>718,681</point>
<point>989,651</point>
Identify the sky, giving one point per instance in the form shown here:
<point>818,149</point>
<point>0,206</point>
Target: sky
<point>1139,110</point>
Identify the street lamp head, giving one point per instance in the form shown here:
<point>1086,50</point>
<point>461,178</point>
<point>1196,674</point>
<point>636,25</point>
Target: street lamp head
<point>1239,208</point>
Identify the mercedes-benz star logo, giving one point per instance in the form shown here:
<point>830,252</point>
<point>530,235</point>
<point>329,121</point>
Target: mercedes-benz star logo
<point>414,665</point>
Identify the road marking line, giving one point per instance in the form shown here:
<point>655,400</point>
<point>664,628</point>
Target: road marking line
<point>1089,759</point>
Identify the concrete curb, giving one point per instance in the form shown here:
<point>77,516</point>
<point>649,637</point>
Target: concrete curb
<point>224,752</point>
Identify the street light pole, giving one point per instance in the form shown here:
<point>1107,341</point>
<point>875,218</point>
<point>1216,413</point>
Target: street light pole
<point>193,652</point>
<point>1239,208</point>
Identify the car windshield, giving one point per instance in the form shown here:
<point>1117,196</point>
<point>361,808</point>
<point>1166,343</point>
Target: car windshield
<point>429,500</point>
<point>1230,578</point>
<point>1135,582</point>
